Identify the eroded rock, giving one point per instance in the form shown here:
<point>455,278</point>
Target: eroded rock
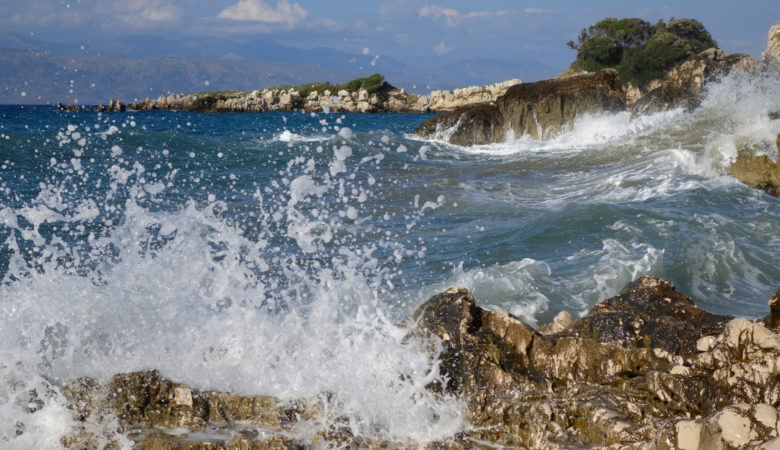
<point>542,109</point>
<point>683,85</point>
<point>644,369</point>
<point>759,172</point>
<point>772,53</point>
<point>635,372</point>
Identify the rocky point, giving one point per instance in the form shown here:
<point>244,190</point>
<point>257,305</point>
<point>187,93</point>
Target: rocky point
<point>644,369</point>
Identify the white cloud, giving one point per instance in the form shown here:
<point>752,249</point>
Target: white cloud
<point>143,13</point>
<point>441,48</point>
<point>537,11</point>
<point>260,11</point>
<point>453,16</point>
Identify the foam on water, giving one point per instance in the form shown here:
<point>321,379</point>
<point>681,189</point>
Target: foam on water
<point>102,281</point>
<point>281,264</point>
<point>289,136</point>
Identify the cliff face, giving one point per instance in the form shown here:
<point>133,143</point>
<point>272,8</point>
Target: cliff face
<point>683,85</point>
<point>540,110</point>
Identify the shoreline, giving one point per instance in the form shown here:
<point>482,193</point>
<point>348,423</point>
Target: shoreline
<point>646,367</point>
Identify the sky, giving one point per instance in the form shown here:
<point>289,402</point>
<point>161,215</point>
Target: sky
<point>413,31</point>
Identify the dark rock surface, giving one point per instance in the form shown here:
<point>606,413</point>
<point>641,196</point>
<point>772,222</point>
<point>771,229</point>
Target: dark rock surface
<point>644,369</point>
<point>650,313</point>
<point>540,110</point>
<point>607,382</point>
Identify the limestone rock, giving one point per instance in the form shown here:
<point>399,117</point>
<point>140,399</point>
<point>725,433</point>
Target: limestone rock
<point>683,85</point>
<point>469,125</point>
<point>457,98</point>
<point>541,110</point>
<point>758,172</point>
<point>644,369</point>
<point>772,53</point>
<point>613,378</point>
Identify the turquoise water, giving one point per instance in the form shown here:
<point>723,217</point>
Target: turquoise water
<point>274,253</point>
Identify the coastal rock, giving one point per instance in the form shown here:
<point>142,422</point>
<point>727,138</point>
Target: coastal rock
<point>541,110</point>
<point>472,95</point>
<point>603,381</point>
<point>771,55</point>
<point>650,313</point>
<point>643,369</point>
<point>683,85</point>
<point>759,172</point>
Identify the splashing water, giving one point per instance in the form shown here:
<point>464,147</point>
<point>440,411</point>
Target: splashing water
<point>275,254</point>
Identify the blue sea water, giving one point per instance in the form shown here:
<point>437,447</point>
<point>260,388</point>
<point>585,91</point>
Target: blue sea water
<point>275,253</point>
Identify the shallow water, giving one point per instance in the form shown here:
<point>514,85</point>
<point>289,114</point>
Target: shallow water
<point>274,253</point>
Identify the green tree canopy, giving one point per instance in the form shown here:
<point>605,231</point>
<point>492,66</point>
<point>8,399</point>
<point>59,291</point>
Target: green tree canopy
<point>639,51</point>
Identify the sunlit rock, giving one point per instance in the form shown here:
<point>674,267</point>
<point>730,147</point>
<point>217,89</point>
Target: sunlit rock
<point>772,53</point>
<point>759,172</point>
<point>541,110</point>
<point>683,85</point>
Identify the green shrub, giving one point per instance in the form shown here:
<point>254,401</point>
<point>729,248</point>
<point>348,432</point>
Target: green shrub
<point>640,51</point>
<point>372,83</point>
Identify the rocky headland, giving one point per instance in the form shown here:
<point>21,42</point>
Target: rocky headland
<point>644,369</point>
<point>546,108</point>
<point>351,99</point>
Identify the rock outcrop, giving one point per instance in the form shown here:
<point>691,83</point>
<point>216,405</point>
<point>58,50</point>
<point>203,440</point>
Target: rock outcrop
<point>457,98</point>
<point>644,369</point>
<point>360,101</point>
<point>771,55</point>
<point>683,85</point>
<point>759,172</point>
<point>540,110</point>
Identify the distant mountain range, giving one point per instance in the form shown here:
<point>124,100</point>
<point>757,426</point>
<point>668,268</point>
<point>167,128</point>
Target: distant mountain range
<point>135,67</point>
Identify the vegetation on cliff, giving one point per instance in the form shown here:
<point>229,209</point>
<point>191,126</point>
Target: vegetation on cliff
<point>640,51</point>
<point>372,84</point>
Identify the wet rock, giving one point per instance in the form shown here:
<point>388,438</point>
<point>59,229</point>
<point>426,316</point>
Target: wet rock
<point>644,368</point>
<point>542,109</point>
<point>758,172</point>
<point>469,125</point>
<point>773,319</point>
<point>650,313</point>
<point>561,321</point>
<point>683,86</point>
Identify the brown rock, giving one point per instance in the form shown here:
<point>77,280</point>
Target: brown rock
<point>541,110</point>
<point>650,313</point>
<point>683,85</point>
<point>759,172</point>
<point>773,319</point>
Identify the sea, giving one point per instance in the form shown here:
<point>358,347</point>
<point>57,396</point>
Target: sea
<point>277,253</point>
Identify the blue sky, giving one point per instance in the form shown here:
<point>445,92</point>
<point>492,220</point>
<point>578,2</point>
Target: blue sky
<point>413,31</point>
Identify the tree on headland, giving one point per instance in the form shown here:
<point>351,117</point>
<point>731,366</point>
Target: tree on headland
<point>640,51</point>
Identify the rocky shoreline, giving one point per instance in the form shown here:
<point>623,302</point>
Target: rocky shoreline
<point>646,368</point>
<point>389,100</point>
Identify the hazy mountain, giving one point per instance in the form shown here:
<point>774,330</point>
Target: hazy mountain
<point>139,66</point>
<point>95,78</point>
